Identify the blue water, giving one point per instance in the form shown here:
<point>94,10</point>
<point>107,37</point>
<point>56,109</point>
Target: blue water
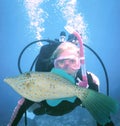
<point>103,29</point>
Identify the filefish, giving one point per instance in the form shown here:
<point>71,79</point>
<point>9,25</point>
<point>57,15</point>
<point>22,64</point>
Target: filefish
<point>38,86</point>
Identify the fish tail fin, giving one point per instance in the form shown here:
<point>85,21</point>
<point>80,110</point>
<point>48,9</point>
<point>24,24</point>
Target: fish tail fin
<point>99,105</point>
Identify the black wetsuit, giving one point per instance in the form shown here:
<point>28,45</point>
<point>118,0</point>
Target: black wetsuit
<point>44,64</point>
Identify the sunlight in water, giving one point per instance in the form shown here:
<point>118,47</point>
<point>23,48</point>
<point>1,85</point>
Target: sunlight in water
<point>66,7</point>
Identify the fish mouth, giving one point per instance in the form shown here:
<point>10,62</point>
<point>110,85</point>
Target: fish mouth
<point>6,80</point>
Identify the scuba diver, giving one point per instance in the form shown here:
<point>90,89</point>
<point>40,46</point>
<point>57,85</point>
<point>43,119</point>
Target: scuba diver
<point>64,55</point>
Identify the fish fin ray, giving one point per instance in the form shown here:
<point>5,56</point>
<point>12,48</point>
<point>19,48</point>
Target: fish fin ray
<point>99,105</point>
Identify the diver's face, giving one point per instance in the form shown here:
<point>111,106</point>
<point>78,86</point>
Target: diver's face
<point>68,62</point>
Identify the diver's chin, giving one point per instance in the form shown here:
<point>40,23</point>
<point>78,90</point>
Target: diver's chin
<point>71,72</point>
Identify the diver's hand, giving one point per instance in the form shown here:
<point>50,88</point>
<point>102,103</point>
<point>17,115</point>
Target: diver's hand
<point>82,83</point>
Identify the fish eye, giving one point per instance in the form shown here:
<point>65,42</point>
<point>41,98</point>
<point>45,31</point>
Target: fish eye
<point>27,75</point>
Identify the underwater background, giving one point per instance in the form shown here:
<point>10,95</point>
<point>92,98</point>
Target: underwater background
<point>24,21</point>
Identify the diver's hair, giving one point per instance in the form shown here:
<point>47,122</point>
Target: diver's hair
<point>64,47</point>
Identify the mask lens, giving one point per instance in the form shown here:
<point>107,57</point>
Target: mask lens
<point>72,63</point>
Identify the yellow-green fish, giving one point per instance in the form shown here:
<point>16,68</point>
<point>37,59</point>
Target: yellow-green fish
<point>38,86</point>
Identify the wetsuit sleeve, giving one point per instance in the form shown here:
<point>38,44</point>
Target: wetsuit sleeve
<point>22,106</point>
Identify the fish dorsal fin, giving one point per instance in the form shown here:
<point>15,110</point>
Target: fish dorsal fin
<point>63,74</point>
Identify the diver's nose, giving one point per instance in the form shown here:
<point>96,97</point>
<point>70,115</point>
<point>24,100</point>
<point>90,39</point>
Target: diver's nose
<point>66,64</point>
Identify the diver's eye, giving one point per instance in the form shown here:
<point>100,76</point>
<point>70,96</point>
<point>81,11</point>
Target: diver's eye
<point>72,61</point>
<point>60,62</point>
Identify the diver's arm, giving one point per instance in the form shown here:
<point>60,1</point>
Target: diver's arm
<point>22,106</point>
